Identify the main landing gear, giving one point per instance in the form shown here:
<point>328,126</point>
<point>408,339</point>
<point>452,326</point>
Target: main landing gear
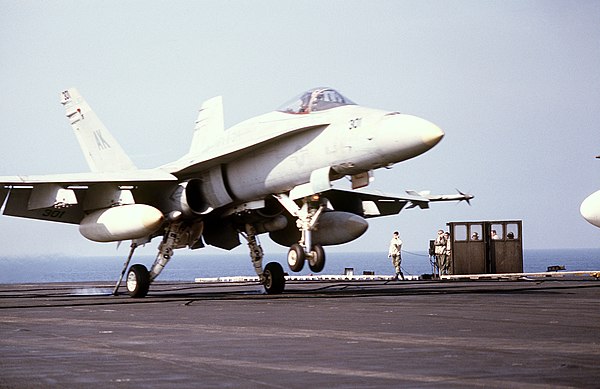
<point>305,250</point>
<point>138,277</point>
<point>272,277</point>
<point>177,235</point>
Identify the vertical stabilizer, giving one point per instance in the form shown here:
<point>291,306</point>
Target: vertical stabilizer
<point>101,150</point>
<point>209,125</point>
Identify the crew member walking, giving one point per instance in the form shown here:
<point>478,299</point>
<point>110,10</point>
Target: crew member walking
<point>395,252</point>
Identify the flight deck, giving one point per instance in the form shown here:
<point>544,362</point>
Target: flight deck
<point>420,334</point>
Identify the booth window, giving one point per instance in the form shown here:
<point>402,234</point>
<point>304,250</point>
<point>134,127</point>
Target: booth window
<point>512,231</point>
<point>497,232</point>
<point>460,233</point>
<point>476,232</point>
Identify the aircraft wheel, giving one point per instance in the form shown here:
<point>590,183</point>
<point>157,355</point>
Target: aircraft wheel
<point>296,258</point>
<point>138,281</point>
<point>274,278</point>
<point>317,261</point>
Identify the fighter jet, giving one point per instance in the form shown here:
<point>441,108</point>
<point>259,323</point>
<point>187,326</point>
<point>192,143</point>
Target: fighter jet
<point>590,208</point>
<point>271,174</point>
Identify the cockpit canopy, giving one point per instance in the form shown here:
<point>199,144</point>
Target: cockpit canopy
<point>318,99</point>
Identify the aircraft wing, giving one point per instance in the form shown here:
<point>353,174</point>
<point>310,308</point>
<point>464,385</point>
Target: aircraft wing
<point>88,178</point>
<point>370,204</point>
<point>64,198</point>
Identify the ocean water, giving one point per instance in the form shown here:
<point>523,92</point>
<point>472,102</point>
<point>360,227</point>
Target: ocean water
<point>187,267</point>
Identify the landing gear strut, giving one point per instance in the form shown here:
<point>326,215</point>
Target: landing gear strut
<point>133,247</point>
<point>272,278</point>
<point>305,250</point>
<point>138,277</point>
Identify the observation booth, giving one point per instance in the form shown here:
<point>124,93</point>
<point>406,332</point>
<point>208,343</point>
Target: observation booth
<point>486,247</point>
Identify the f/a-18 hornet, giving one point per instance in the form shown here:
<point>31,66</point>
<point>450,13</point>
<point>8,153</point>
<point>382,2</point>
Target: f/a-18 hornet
<point>590,208</point>
<point>269,174</point>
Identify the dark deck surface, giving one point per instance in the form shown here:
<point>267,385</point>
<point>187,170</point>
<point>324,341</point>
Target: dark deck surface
<point>360,334</point>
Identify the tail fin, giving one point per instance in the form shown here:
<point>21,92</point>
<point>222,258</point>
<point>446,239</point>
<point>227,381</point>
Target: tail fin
<point>101,150</point>
<point>209,125</point>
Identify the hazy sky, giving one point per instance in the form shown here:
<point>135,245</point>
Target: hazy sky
<point>515,85</point>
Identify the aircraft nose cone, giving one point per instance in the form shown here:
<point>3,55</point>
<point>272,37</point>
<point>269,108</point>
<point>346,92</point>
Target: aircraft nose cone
<point>430,133</point>
<point>590,209</point>
<point>406,136</point>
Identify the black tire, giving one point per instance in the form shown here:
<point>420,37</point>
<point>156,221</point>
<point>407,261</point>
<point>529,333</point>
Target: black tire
<point>138,281</point>
<point>275,279</point>
<point>296,258</point>
<point>317,262</point>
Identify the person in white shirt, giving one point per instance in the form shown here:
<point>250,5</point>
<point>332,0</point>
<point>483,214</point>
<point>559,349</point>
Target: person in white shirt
<point>395,252</point>
<point>448,253</point>
<point>440,252</point>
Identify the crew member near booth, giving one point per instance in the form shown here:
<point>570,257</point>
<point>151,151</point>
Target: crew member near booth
<point>440,251</point>
<point>448,253</point>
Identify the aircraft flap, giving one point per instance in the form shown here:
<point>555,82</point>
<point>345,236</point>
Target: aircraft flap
<point>50,195</point>
<point>106,195</point>
<point>18,205</point>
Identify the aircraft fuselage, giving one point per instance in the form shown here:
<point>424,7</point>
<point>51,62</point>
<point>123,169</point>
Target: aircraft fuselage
<point>351,140</point>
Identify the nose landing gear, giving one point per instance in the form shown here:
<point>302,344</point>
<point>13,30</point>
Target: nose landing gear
<point>297,256</point>
<point>316,259</point>
<point>305,250</point>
